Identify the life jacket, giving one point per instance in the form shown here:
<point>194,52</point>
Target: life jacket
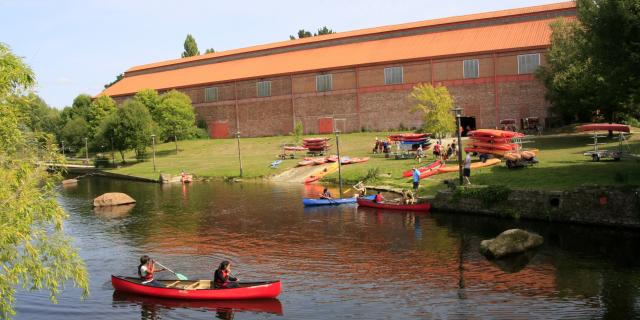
<point>148,274</point>
<point>378,198</point>
<point>221,282</point>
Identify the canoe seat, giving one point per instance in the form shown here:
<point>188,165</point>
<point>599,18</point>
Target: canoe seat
<point>172,284</point>
<point>193,286</point>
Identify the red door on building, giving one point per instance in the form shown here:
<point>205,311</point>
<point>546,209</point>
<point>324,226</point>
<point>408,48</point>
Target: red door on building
<point>325,125</point>
<point>219,129</point>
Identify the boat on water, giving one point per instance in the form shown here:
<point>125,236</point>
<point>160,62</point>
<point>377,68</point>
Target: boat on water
<point>310,202</point>
<point>394,206</point>
<point>197,289</point>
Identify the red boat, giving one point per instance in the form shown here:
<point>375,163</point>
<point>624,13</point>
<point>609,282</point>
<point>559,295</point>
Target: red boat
<point>409,173</point>
<point>494,133</point>
<point>197,289</point>
<point>604,127</point>
<point>432,172</point>
<point>405,207</point>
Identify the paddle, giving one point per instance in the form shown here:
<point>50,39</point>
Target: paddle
<point>178,275</point>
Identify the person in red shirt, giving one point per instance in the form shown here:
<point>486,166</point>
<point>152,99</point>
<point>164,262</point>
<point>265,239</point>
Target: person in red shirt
<point>379,198</point>
<point>222,278</point>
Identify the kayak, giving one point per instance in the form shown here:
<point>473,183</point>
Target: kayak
<point>312,140</point>
<point>319,161</point>
<point>310,202</point>
<point>305,162</point>
<point>197,289</point>
<point>317,176</point>
<point>604,127</point>
<point>358,160</point>
<point>489,145</point>
<point>332,158</point>
<point>255,305</point>
<point>494,133</point>
<point>486,151</point>
<point>432,172</point>
<point>491,139</point>
<point>289,148</point>
<point>406,207</point>
<point>409,173</point>
<point>475,165</point>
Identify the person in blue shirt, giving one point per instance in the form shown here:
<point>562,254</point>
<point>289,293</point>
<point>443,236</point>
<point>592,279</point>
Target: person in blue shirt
<point>416,178</point>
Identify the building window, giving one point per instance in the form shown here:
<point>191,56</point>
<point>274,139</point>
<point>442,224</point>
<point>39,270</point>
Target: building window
<point>324,82</point>
<point>264,88</point>
<point>210,94</point>
<point>528,63</point>
<point>471,68</point>
<point>393,75</point>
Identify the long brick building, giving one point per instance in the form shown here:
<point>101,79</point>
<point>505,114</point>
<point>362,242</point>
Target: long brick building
<point>363,77</point>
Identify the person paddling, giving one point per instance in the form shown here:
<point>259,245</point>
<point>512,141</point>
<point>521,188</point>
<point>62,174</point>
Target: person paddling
<point>146,269</point>
<point>222,278</point>
<point>325,194</point>
<point>378,198</point>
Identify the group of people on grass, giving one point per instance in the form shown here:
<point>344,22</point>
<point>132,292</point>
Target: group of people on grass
<point>440,152</point>
<point>222,278</point>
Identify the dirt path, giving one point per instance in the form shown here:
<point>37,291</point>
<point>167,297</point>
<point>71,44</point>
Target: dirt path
<point>298,174</point>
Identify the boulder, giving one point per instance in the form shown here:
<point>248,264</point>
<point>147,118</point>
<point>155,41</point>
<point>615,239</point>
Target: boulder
<point>168,178</point>
<point>112,199</point>
<point>69,182</point>
<point>510,242</point>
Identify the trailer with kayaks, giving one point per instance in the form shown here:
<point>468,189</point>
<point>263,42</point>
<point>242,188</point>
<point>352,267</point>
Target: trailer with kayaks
<point>596,154</point>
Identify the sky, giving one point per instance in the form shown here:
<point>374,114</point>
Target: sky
<point>78,46</point>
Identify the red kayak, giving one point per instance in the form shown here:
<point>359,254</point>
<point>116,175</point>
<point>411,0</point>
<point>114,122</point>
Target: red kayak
<point>432,172</point>
<point>494,133</point>
<point>491,139</point>
<point>197,289</point>
<point>604,127</point>
<point>406,207</point>
<point>358,160</point>
<point>434,164</point>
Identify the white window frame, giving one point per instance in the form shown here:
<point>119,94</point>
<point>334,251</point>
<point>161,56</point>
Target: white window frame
<point>464,68</point>
<point>210,94</point>
<point>390,71</point>
<point>265,84</point>
<point>326,80</point>
<point>524,57</point>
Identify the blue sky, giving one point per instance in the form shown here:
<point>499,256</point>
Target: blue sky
<point>77,46</point>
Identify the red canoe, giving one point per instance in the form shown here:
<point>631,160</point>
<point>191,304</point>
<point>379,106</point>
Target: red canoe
<point>406,207</point>
<point>604,127</point>
<point>409,173</point>
<point>197,289</point>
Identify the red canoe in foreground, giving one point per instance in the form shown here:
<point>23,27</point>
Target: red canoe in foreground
<point>198,289</point>
<point>406,207</point>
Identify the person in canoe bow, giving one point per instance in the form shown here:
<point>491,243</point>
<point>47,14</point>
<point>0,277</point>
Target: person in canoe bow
<point>379,198</point>
<point>222,278</point>
<point>325,194</point>
<point>146,269</point>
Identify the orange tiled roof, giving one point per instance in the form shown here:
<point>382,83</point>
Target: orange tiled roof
<point>499,37</point>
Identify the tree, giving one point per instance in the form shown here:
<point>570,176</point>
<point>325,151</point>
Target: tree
<point>324,30</point>
<point>210,50</point>
<point>150,99</point>
<point>35,253</point>
<point>40,117</point>
<point>118,78</point>
<point>302,34</point>
<point>130,127</point>
<point>436,105</point>
<point>100,108</point>
<point>176,117</point>
<point>81,106</point>
<point>190,47</point>
<point>74,132</point>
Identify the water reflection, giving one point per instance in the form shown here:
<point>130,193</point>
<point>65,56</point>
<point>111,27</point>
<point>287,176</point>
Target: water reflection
<point>154,308</point>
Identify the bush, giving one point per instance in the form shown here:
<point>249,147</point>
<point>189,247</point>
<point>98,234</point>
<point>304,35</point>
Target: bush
<point>101,162</point>
<point>200,133</point>
<point>372,174</point>
<point>489,196</point>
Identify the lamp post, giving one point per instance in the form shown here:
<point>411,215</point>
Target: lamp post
<point>336,132</point>
<point>239,157</point>
<point>153,143</point>
<point>458,112</point>
<point>86,150</point>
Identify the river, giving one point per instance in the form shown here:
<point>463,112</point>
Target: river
<point>335,262</point>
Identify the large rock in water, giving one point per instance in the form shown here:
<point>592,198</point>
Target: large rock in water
<point>510,242</point>
<point>112,199</point>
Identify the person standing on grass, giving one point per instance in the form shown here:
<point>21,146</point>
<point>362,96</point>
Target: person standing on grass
<point>416,178</point>
<point>466,170</point>
<point>419,153</point>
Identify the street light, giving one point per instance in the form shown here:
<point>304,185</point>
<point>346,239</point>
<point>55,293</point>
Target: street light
<point>86,150</point>
<point>239,157</point>
<point>153,143</point>
<point>458,112</point>
<point>337,132</point>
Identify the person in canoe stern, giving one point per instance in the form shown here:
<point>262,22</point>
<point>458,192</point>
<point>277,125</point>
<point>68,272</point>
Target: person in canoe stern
<point>222,278</point>
<point>325,194</point>
<point>378,198</point>
<point>146,269</point>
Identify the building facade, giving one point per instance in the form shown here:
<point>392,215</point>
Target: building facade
<point>361,80</point>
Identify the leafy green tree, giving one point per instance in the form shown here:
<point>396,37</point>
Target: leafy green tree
<point>436,105</point>
<point>130,127</point>
<point>118,78</point>
<point>40,117</point>
<point>74,132</point>
<point>177,119</point>
<point>302,33</point>
<point>81,107</point>
<point>100,108</point>
<point>35,253</point>
<point>210,50</point>
<point>150,99</point>
<point>324,30</point>
<point>190,47</point>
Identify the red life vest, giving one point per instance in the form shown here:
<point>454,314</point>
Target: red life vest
<point>149,273</point>
<point>378,198</point>
<point>221,282</point>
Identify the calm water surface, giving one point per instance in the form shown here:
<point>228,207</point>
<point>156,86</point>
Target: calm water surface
<point>335,262</point>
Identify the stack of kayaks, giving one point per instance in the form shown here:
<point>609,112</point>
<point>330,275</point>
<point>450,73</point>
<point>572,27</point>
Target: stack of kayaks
<point>316,144</point>
<point>490,141</point>
<point>411,140</point>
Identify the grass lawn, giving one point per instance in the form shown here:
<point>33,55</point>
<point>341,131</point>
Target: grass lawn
<point>562,165</point>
